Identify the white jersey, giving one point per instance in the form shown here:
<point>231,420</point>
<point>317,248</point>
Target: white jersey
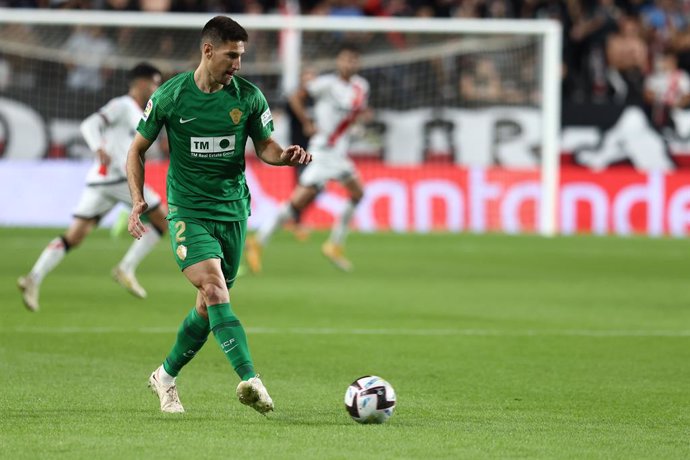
<point>337,104</point>
<point>668,87</point>
<point>112,128</point>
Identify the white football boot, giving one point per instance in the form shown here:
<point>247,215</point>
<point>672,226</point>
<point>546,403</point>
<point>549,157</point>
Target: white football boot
<point>170,401</point>
<point>29,288</point>
<point>129,282</point>
<point>253,393</point>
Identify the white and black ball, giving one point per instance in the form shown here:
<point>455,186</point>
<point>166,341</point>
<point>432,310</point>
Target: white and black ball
<point>370,399</point>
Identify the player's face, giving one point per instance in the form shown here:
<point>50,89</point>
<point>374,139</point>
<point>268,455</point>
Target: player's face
<point>224,59</point>
<point>347,63</point>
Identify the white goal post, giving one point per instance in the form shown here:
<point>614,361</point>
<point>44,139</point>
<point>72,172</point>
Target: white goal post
<point>290,29</point>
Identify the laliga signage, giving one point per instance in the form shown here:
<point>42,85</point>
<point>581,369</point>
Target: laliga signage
<point>404,199</point>
<point>447,198</point>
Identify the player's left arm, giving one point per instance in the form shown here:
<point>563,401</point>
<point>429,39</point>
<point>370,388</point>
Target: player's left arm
<point>270,152</point>
<point>260,127</point>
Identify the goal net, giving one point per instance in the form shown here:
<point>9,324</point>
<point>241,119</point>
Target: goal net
<point>465,112</point>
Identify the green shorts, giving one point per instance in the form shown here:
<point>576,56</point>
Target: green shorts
<point>194,240</point>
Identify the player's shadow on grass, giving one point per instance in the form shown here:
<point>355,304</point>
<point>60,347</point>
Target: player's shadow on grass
<point>273,418</point>
<point>305,420</point>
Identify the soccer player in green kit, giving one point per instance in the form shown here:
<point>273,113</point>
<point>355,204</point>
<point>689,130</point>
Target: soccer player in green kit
<point>208,115</point>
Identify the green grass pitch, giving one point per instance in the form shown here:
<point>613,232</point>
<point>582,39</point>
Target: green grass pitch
<point>498,347</point>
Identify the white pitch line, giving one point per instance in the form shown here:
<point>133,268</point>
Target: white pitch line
<point>391,332</point>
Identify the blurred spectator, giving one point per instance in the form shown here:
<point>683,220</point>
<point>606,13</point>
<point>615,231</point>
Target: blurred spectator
<point>590,31</point>
<point>155,6</point>
<point>662,20</point>
<point>605,42</point>
<point>345,8</point>
<point>520,86</point>
<point>306,6</point>
<point>118,5</point>
<point>90,47</point>
<point>321,8</point>
<point>667,88</point>
<point>398,8</point>
<point>223,6</point>
<point>424,11</point>
<point>21,69</point>
<point>442,8</point>
<point>24,3</point>
<point>189,6</point>
<point>552,9</point>
<point>628,61</point>
<point>499,9</point>
<point>481,83</point>
<point>565,12</point>
<point>681,45</point>
<point>467,9</point>
<point>253,7</point>
<point>69,4</point>
<point>635,7</point>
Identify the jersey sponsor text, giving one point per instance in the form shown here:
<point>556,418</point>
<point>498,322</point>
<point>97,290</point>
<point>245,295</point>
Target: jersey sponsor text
<point>207,147</point>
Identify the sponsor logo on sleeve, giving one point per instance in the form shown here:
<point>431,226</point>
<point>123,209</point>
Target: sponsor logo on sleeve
<point>147,110</point>
<point>266,117</point>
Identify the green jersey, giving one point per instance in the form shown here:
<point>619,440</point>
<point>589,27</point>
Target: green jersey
<point>207,134</point>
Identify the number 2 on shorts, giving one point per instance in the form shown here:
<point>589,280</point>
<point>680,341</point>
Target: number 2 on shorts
<point>180,227</point>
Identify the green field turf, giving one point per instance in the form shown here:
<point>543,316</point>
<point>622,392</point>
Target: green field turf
<point>498,347</point>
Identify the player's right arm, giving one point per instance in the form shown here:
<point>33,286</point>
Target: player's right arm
<point>149,126</point>
<point>135,180</point>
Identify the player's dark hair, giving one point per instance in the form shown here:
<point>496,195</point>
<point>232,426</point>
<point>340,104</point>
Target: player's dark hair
<point>143,70</point>
<point>349,46</point>
<point>223,29</point>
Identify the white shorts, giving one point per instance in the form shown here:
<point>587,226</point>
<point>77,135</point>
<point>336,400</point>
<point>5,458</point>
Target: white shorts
<point>97,200</point>
<point>327,167</point>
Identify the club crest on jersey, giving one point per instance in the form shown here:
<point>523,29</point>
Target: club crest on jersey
<point>236,115</point>
<point>147,110</point>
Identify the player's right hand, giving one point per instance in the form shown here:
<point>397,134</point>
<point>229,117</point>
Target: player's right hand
<point>135,227</point>
<point>295,155</point>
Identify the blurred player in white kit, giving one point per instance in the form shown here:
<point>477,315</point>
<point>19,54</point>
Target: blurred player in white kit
<point>340,100</point>
<point>108,133</point>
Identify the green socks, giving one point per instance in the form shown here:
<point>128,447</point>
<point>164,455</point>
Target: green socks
<point>190,338</point>
<point>230,335</point>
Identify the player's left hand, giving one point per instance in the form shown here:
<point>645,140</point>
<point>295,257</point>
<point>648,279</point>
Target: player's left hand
<point>135,227</point>
<point>294,155</point>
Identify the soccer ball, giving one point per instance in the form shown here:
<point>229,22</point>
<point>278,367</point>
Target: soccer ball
<point>370,399</point>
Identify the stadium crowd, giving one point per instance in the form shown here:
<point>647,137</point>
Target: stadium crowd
<point>611,47</point>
